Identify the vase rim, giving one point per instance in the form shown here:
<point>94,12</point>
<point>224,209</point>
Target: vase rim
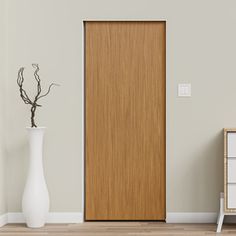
<point>35,128</point>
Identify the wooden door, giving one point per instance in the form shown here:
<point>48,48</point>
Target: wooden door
<point>125,120</point>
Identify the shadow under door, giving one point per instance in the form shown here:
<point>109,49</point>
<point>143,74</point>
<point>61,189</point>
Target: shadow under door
<point>125,120</point>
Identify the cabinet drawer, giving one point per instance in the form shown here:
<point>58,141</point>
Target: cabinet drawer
<point>231,195</point>
<point>231,144</point>
<point>231,170</point>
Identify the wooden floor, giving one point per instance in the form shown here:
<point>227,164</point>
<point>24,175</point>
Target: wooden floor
<point>118,229</point>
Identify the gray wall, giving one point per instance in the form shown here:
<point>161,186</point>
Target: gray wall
<point>201,49</point>
<point>3,206</point>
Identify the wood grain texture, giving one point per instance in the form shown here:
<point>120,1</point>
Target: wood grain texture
<point>118,229</point>
<point>125,120</point>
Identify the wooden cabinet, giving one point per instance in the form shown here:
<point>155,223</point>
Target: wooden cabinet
<point>230,170</point>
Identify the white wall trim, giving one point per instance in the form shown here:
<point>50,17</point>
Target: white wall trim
<point>3,220</point>
<point>191,217</point>
<point>15,217</point>
<point>53,217</point>
<point>83,112</point>
<point>77,217</point>
<point>65,217</point>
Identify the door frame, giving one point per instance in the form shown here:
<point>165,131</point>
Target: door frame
<point>167,102</point>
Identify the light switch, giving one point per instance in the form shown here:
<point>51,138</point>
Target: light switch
<point>184,90</point>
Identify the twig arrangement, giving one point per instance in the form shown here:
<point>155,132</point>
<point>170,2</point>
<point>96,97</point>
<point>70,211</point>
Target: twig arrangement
<point>33,102</point>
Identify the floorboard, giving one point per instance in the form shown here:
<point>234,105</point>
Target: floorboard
<point>118,229</point>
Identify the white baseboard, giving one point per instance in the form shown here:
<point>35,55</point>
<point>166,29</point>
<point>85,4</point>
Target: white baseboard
<point>15,217</point>
<point>197,217</point>
<point>3,220</point>
<point>65,217</point>
<point>77,217</point>
<point>53,217</point>
<point>191,217</point>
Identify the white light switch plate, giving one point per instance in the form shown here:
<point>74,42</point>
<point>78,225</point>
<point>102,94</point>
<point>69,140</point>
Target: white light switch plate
<point>184,90</point>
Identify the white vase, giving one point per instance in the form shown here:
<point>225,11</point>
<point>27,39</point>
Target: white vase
<point>35,201</point>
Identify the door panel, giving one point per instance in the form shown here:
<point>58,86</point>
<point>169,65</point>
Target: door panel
<point>125,120</point>
<point>231,196</point>
<point>231,167</point>
<point>231,148</point>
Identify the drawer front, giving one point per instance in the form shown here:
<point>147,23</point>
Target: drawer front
<point>231,170</point>
<point>231,144</point>
<point>231,196</point>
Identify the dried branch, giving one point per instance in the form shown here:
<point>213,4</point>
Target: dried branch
<point>20,80</point>
<point>36,76</point>
<point>25,97</point>
<point>53,84</point>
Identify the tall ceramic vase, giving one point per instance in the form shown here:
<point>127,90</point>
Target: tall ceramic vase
<point>35,201</point>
